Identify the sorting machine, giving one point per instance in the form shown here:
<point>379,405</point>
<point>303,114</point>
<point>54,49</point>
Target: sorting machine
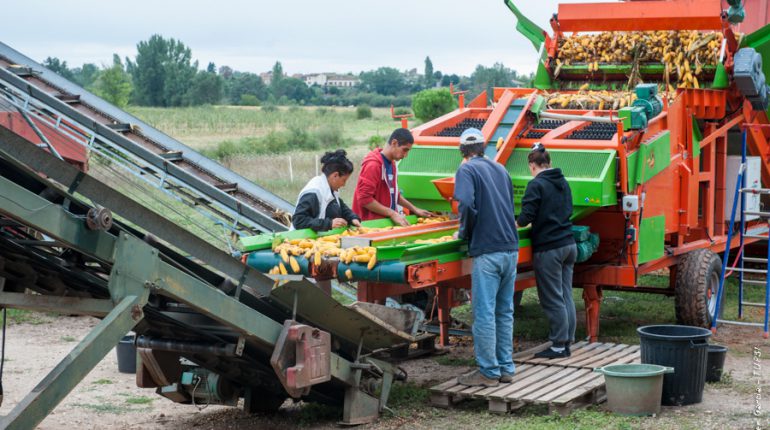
<point>648,179</point>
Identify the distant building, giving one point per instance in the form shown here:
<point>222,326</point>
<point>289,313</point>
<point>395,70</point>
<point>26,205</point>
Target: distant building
<point>267,77</point>
<point>331,80</point>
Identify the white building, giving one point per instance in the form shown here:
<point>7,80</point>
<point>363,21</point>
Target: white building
<point>331,80</point>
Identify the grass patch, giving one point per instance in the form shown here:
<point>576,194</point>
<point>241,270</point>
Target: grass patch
<point>139,400</point>
<point>584,419</point>
<point>446,360</point>
<point>105,408</point>
<point>68,339</point>
<point>102,381</point>
<point>23,316</point>
<point>407,395</point>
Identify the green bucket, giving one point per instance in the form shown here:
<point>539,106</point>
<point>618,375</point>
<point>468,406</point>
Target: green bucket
<point>634,389</point>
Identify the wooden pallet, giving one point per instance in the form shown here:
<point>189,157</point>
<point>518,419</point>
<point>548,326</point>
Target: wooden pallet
<point>562,384</point>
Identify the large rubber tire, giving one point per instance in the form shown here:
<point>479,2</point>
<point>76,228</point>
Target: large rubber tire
<point>697,280</point>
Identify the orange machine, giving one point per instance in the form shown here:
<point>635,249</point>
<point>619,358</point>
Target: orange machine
<point>642,132</point>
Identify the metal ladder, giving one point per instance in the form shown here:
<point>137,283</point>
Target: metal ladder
<point>756,233</point>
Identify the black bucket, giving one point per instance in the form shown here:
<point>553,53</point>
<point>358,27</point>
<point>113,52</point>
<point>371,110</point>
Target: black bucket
<point>126,350</point>
<point>715,362</point>
<point>684,348</point>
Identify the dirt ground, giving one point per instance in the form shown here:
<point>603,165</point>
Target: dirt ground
<point>107,399</point>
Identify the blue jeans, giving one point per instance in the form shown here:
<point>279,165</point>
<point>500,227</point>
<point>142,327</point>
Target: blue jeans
<point>492,289</point>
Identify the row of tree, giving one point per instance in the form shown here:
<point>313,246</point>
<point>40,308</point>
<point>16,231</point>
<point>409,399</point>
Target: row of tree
<point>164,74</point>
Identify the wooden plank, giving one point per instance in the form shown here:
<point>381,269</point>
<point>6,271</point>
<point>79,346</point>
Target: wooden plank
<point>440,400</point>
<point>531,397</point>
<point>579,391</point>
<point>586,361</point>
<point>533,377</point>
<point>588,377</point>
<point>522,371</point>
<point>633,349</point>
<point>448,384</point>
<point>464,390</point>
<point>529,355</point>
<point>581,354</point>
<point>545,383</point>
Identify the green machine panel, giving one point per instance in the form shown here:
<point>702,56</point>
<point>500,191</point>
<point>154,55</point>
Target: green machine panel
<point>591,175</point>
<point>655,157</point>
<point>652,233</point>
<point>420,167</point>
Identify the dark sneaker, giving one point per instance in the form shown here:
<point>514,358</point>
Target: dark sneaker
<point>550,353</point>
<point>506,378</point>
<point>475,379</point>
<point>566,349</point>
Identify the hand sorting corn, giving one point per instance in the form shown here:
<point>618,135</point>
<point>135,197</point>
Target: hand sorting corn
<point>329,246</point>
<point>683,53</point>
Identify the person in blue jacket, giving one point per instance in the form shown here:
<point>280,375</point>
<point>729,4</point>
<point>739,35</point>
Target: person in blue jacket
<point>484,192</point>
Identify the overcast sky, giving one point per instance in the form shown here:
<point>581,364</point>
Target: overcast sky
<point>306,36</point>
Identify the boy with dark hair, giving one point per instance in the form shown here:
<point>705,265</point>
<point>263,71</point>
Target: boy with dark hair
<point>377,194</point>
<point>483,190</point>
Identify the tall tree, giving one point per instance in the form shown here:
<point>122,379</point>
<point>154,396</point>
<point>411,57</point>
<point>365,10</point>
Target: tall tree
<point>429,78</point>
<point>385,80</point>
<point>114,83</point>
<point>59,67</point>
<point>207,88</point>
<point>245,84</point>
<point>86,75</point>
<point>163,72</point>
<point>277,76</point>
<point>484,78</point>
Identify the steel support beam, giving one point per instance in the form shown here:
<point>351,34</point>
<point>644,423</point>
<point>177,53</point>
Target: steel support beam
<point>69,305</point>
<point>27,154</point>
<point>73,368</point>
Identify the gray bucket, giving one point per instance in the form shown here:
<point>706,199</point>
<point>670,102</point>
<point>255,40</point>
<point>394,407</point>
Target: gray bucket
<point>126,351</point>
<point>634,389</point>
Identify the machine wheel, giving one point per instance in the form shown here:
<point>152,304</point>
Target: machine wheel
<point>697,281</point>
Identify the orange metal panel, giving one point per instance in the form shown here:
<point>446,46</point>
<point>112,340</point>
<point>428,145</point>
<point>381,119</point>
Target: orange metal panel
<point>640,16</point>
<point>757,15</point>
<point>497,115</point>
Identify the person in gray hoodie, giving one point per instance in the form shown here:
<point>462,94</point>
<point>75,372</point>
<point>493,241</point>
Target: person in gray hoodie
<point>547,205</point>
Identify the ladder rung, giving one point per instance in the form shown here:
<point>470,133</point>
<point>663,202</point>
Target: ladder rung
<point>228,188</point>
<point>749,324</point>
<point>759,214</point>
<point>754,260</point>
<point>69,98</point>
<point>738,269</point>
<point>758,305</point>
<point>172,155</point>
<point>756,190</point>
<point>753,282</point>
<point>119,126</point>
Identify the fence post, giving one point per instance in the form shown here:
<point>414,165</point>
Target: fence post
<point>291,171</point>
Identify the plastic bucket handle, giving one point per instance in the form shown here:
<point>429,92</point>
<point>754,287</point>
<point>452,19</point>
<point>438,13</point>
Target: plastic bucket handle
<point>663,369</point>
<point>694,345</point>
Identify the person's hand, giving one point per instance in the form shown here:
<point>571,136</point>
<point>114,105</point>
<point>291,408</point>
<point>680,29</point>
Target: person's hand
<point>422,213</point>
<point>398,219</point>
<point>356,222</point>
<point>339,222</point>
<point>456,235</point>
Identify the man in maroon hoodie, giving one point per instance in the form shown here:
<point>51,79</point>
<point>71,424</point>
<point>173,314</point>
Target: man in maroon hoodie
<point>377,194</point>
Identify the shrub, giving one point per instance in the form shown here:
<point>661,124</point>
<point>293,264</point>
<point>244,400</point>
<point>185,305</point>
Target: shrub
<point>431,104</point>
<point>248,100</point>
<point>330,136</point>
<point>401,111</point>
<point>363,112</point>
<point>376,142</point>
<point>269,108</point>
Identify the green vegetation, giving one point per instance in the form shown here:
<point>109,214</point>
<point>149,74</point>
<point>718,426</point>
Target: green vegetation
<point>103,382</point>
<point>68,338</point>
<point>407,396</point>
<point>22,316</point>
<point>431,104</point>
<point>139,400</point>
<point>363,112</point>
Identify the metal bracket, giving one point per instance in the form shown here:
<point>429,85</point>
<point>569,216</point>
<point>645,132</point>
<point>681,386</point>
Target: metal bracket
<point>423,274</point>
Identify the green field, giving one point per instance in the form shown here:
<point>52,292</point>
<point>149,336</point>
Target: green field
<point>242,133</point>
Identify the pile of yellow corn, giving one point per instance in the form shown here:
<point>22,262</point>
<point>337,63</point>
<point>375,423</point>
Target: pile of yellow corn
<point>441,239</point>
<point>683,53</point>
<point>591,100</point>
<point>329,246</point>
